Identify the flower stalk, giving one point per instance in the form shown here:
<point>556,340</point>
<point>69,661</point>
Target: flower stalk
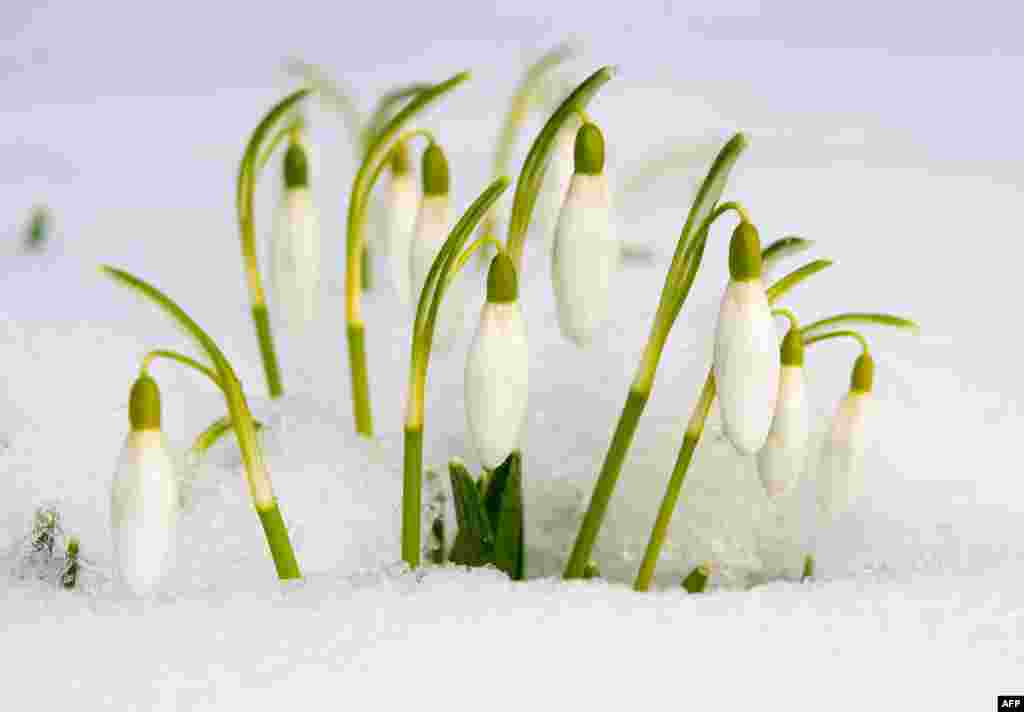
<point>248,174</point>
<point>373,163</point>
<point>440,276</point>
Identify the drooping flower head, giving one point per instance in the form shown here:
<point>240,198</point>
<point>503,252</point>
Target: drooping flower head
<point>295,268</point>
<point>401,205</point>
<point>840,478</point>
<point>746,361</point>
<point>144,495</point>
<point>586,252</point>
<point>497,369</point>
<point>782,460</point>
<point>432,224</point>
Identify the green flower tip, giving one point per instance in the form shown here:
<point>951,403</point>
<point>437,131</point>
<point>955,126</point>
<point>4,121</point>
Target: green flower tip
<point>400,163</point>
<point>73,547</point>
<point>589,150</point>
<point>296,167</point>
<point>502,282</point>
<point>793,348</point>
<point>144,404</point>
<point>863,377</point>
<point>745,253</point>
<point>435,171</point>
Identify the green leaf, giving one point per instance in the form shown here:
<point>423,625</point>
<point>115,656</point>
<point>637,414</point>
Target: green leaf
<point>214,432</point>
<point>783,248</point>
<point>509,549</point>
<point>441,270</point>
<point>521,102</point>
<point>710,192</point>
<point>532,172</point>
<point>170,307</point>
<point>385,106</point>
<point>246,170</point>
<point>339,99</point>
<point>791,280</point>
<point>697,580</point>
<point>870,318</point>
<point>474,543</point>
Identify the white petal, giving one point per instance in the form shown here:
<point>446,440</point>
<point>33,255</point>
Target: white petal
<point>746,365</point>
<point>497,382</point>
<point>840,478</point>
<point>585,257</point>
<point>782,460</point>
<point>401,206</point>
<point>144,510</point>
<point>295,268</point>
<point>428,238</point>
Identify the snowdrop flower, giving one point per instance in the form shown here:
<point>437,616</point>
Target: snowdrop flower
<point>497,368</point>
<point>840,480</point>
<point>431,230</point>
<point>401,205</point>
<point>782,460</point>
<point>295,268</point>
<point>746,361</point>
<point>144,496</point>
<point>586,253</point>
<point>556,181</point>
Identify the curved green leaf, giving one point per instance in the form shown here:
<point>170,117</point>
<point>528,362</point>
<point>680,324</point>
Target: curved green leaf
<point>245,168</point>
<point>870,318</point>
<point>170,307</point>
<point>383,111</point>
<point>782,248</point>
<point>791,280</point>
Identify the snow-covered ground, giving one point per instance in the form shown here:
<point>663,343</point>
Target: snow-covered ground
<point>917,599</point>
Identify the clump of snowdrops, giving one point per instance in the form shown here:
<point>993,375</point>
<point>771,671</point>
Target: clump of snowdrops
<point>756,377</point>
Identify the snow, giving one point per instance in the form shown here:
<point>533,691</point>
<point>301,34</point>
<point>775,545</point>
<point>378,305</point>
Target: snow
<point>917,598</point>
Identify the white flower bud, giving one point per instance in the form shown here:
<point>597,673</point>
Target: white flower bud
<point>144,510</point>
<point>497,382</point>
<point>840,480</point>
<point>295,258</point>
<point>746,364</point>
<point>585,257</point>
<point>401,205</point>
<point>782,460</point>
<point>428,238</point>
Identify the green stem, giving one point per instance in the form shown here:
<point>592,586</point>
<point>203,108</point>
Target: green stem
<point>592,520</point>
<point>412,494</point>
<point>675,485</point>
<point>366,267</point>
<point>184,360</point>
<point>271,370</point>
<point>376,154</point>
<point>248,173</point>
<point>280,545</point>
<point>360,380</point>
<point>843,333</point>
